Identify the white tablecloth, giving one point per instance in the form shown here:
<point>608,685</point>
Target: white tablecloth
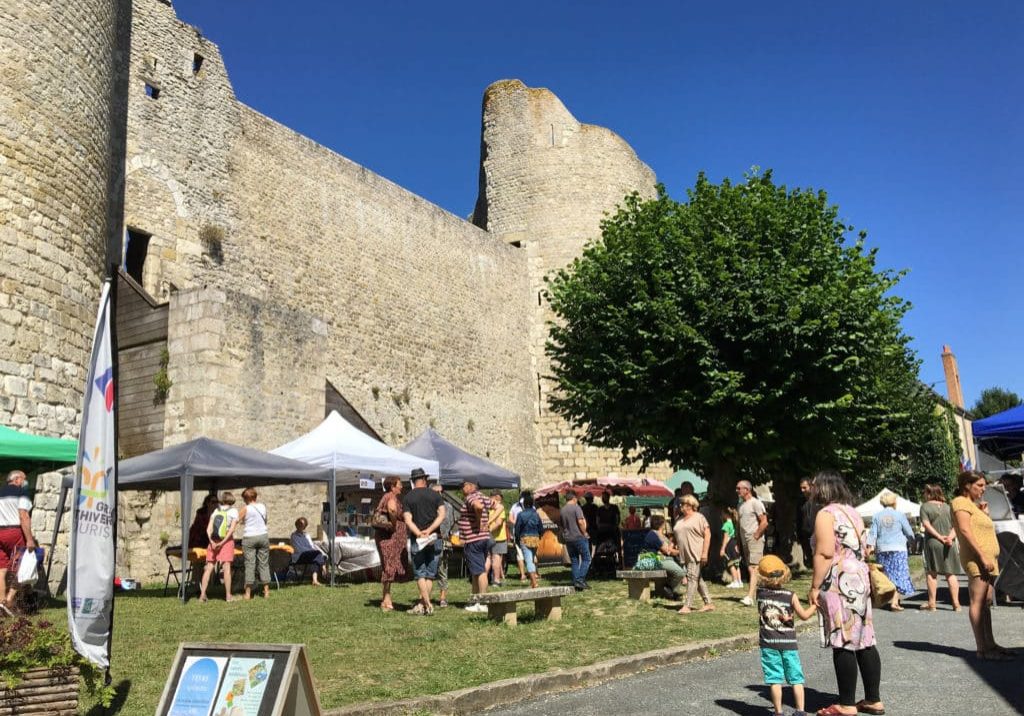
<point>352,554</point>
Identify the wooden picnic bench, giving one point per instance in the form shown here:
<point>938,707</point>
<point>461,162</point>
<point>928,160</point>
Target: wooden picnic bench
<point>501,606</point>
<point>639,582</point>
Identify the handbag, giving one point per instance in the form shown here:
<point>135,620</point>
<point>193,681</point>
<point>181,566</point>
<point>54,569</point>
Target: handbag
<point>882,587</point>
<point>530,541</point>
<point>380,519</point>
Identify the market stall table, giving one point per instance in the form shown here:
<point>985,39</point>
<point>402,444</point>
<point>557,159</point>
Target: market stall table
<point>353,554</point>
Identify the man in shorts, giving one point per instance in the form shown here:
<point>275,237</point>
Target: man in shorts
<point>474,535</point>
<point>424,511</point>
<point>753,523</point>
<point>15,530</point>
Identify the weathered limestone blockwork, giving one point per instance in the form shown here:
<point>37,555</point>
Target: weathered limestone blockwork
<point>546,181</point>
<point>279,264</point>
<point>61,154</point>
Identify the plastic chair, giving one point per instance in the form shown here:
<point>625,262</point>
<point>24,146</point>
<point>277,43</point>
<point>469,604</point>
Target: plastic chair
<point>178,571</point>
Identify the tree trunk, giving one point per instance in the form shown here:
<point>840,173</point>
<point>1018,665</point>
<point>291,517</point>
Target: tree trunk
<point>786,491</point>
<point>721,492</point>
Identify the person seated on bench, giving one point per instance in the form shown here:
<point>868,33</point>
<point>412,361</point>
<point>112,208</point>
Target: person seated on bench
<point>654,541</point>
<point>305,552</point>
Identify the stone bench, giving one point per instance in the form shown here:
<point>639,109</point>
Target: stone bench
<point>501,606</point>
<point>639,582</point>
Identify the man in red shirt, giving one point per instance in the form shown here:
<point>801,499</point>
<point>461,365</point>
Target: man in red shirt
<point>473,534</point>
<point>15,529</point>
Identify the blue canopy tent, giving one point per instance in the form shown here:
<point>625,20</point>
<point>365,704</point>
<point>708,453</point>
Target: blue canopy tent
<point>1001,434</point>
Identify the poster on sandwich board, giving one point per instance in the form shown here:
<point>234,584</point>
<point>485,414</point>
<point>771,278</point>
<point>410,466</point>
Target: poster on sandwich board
<point>239,680</point>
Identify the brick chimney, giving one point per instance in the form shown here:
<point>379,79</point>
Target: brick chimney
<point>953,391</point>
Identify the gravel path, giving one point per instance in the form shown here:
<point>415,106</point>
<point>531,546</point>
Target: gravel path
<point>928,667</point>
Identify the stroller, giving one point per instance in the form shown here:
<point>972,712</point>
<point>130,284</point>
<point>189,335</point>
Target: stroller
<point>607,553</point>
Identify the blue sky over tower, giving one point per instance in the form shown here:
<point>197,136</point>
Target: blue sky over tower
<point>908,114</point>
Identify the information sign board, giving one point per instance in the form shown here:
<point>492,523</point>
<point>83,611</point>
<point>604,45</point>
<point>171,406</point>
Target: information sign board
<point>239,680</point>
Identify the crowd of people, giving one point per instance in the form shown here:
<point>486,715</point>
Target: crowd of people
<point>213,530</point>
<point>416,531</point>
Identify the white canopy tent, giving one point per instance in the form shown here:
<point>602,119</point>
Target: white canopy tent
<point>337,444</point>
<point>874,505</point>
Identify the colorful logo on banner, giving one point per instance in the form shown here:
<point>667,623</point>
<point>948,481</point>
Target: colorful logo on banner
<point>94,479</point>
<point>105,385</point>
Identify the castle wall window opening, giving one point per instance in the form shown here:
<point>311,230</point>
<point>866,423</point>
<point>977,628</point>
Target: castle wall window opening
<point>152,91</point>
<point>197,63</point>
<point>136,248</point>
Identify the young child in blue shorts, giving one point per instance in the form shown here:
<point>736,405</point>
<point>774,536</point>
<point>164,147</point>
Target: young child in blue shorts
<point>776,608</point>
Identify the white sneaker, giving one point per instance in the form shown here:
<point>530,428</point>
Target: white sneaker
<point>746,602</point>
<point>478,608</point>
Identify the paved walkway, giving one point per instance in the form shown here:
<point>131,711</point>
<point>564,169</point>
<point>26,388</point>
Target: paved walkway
<point>928,667</point>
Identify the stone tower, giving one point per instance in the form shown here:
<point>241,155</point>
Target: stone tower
<point>63,66</point>
<point>546,181</point>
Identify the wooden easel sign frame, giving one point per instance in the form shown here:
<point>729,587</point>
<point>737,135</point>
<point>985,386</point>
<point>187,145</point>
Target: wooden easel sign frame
<point>239,680</point>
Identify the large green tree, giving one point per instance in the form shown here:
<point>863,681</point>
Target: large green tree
<point>741,333</point>
<point>994,400</point>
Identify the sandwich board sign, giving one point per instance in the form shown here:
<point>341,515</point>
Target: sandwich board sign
<point>239,680</point>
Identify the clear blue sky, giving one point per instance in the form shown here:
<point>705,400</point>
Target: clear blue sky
<point>910,115</point>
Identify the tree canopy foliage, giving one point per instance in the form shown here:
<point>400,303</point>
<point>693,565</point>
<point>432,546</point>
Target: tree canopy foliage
<point>994,400</point>
<point>741,334</point>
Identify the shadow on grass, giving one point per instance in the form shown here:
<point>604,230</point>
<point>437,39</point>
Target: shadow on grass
<point>120,696</point>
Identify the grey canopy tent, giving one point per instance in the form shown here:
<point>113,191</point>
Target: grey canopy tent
<point>457,464</point>
<point>211,465</point>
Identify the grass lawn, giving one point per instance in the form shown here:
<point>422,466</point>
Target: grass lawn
<point>359,653</point>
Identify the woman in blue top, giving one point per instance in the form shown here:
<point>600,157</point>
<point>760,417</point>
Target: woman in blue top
<point>527,531</point>
<point>888,537</point>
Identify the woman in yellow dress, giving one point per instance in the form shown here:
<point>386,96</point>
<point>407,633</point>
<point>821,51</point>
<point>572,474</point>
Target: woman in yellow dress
<point>979,551</point>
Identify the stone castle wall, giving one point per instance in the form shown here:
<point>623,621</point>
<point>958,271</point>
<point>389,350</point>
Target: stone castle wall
<point>283,266</point>
<point>61,159</point>
<point>287,266</point>
<point>546,181</point>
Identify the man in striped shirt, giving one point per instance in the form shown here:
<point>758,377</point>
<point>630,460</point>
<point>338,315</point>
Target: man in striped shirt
<point>474,534</point>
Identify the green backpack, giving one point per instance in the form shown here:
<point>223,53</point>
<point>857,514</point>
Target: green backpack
<point>221,519</point>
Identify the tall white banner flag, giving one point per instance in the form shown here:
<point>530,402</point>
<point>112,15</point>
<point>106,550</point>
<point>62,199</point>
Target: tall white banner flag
<point>94,505</point>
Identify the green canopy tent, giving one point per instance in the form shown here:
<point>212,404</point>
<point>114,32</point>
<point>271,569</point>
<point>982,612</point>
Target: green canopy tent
<point>33,453</point>
<point>700,485</point>
<point>36,454</point>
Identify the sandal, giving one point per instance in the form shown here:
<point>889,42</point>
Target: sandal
<point>707,608</point>
<point>928,608</point>
<point>833,710</point>
<point>684,610</point>
<point>865,708</point>
<point>895,608</point>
